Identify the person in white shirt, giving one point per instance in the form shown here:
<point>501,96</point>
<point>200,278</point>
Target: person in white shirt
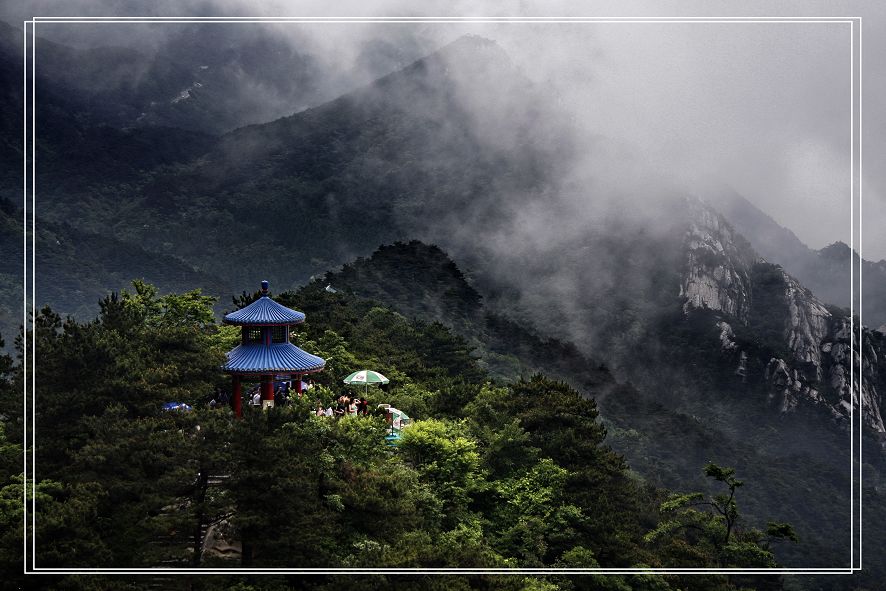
<point>256,400</point>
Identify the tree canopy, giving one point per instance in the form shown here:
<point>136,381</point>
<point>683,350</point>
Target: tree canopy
<point>490,474</point>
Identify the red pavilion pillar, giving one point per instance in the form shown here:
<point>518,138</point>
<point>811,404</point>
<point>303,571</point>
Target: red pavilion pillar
<point>237,396</point>
<point>296,378</point>
<point>267,388</point>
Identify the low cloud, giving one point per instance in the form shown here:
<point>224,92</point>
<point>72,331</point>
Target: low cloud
<point>760,107</point>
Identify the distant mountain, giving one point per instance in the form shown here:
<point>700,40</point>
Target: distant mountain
<point>698,286</point>
<point>79,146</point>
<point>803,344</point>
<point>449,149</point>
<point>826,272</point>
<point>406,155</point>
<point>240,203</point>
<point>205,78</point>
<point>79,268</point>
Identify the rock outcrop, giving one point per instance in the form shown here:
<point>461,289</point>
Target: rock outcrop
<point>809,352</point>
<point>716,273</point>
<point>807,322</point>
<point>853,372</point>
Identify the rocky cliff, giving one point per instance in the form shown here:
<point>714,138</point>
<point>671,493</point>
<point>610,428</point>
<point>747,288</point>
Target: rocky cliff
<point>804,351</point>
<point>716,275</point>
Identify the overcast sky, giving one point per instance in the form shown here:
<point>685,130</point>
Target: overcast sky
<point>764,108</point>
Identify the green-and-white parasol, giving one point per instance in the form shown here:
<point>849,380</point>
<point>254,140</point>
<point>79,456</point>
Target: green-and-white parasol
<point>365,377</point>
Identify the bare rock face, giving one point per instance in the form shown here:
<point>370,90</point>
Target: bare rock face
<point>807,323</point>
<point>716,273</point>
<point>818,363</point>
<point>221,543</point>
<point>727,337</point>
<point>852,372</point>
<point>826,365</point>
<point>788,387</point>
<point>728,344</point>
<point>829,356</point>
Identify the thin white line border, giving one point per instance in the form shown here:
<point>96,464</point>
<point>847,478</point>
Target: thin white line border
<point>30,484</point>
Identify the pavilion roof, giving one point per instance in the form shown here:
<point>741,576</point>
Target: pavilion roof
<point>265,311</point>
<point>277,358</point>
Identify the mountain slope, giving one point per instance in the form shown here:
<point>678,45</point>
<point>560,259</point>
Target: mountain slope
<point>447,149</point>
<point>663,434</point>
<point>404,156</point>
<point>80,268</point>
<point>802,343</point>
<point>203,77</point>
<point>421,281</point>
<point>193,81</point>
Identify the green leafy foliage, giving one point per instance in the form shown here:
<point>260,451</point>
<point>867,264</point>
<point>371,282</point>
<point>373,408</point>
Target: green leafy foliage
<point>488,475</point>
<point>700,529</point>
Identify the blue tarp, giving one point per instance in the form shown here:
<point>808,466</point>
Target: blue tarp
<point>177,406</point>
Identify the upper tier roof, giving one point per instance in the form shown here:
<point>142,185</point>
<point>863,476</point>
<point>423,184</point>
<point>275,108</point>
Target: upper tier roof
<point>265,311</point>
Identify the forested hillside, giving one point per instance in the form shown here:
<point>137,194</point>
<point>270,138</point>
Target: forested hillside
<point>490,474</point>
<point>693,405</point>
<point>375,171</point>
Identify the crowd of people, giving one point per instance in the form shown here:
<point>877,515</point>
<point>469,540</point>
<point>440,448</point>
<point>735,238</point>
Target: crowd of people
<point>282,393</point>
<point>345,405</point>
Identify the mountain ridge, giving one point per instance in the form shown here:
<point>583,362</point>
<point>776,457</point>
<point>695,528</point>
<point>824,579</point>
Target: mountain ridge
<point>826,271</point>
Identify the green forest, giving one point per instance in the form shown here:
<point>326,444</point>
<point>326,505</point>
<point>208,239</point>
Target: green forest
<point>492,473</point>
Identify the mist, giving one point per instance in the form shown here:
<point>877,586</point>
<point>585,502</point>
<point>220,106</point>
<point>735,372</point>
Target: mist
<point>615,124</point>
<point>761,108</point>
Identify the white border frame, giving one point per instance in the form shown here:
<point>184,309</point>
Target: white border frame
<point>30,27</point>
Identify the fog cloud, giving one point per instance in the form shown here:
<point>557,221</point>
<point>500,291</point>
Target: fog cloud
<point>763,108</point>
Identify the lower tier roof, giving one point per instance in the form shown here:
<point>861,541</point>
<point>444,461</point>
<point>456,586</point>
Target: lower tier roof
<point>278,358</point>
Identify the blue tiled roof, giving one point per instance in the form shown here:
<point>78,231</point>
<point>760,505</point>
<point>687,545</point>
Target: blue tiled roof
<point>264,310</point>
<point>278,357</point>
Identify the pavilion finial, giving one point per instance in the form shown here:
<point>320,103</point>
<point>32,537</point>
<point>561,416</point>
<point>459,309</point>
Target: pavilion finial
<point>264,287</point>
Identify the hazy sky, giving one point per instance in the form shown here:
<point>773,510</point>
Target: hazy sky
<point>764,108</point>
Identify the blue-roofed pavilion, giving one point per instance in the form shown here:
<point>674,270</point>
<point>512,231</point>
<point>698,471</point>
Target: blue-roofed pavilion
<point>264,350</point>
